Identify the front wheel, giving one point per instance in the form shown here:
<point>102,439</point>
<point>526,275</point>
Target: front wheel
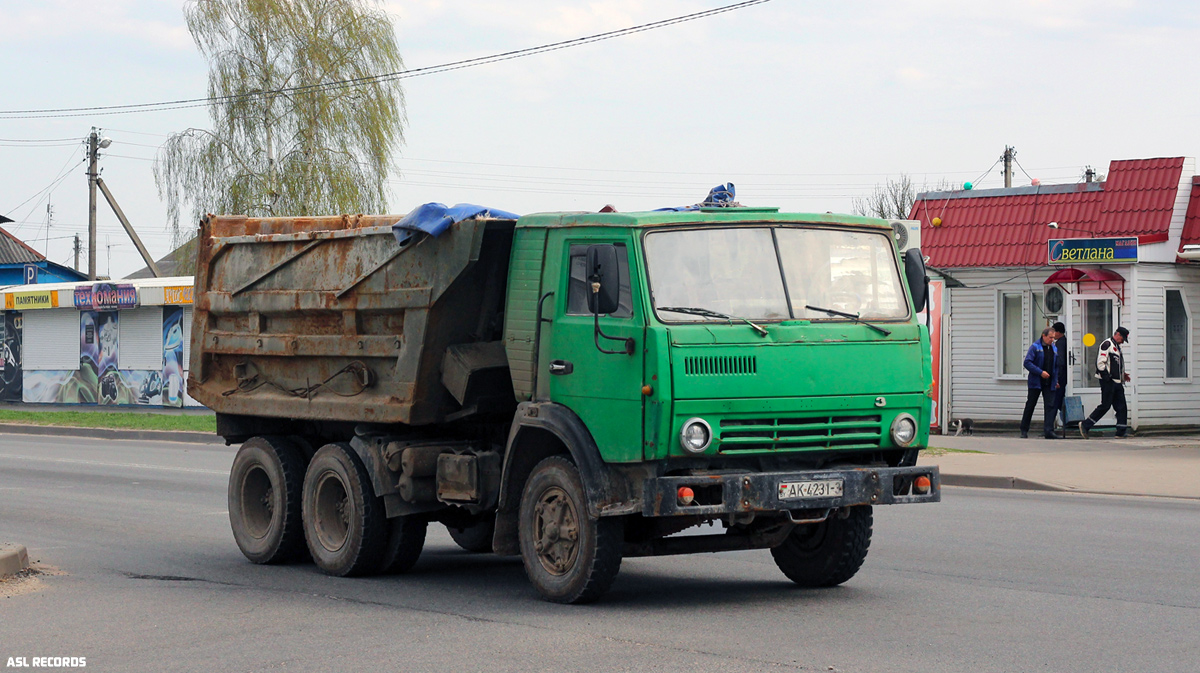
<point>829,553</point>
<point>568,556</point>
<point>344,523</point>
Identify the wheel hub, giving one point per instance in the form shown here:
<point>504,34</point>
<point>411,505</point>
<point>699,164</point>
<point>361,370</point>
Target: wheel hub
<point>556,531</point>
<point>333,512</point>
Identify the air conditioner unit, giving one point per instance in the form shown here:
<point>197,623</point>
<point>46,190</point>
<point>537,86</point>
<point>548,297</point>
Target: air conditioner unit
<point>907,232</point>
<point>1052,300</point>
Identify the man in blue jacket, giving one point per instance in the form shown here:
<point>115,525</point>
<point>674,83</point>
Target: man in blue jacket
<point>1040,362</point>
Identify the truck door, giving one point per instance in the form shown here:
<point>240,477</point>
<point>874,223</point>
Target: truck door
<point>604,390</point>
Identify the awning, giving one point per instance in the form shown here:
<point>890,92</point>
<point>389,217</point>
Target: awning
<point>1073,275</point>
<point>1104,278</point>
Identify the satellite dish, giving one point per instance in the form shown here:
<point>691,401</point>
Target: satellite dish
<point>900,231</point>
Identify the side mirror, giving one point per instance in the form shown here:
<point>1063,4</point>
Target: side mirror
<point>604,279</point>
<point>918,279</point>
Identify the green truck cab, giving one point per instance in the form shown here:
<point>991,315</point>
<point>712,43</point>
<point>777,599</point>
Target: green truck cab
<point>574,388</point>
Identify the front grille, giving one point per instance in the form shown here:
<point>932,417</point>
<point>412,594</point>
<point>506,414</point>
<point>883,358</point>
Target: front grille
<point>720,365</point>
<point>817,432</point>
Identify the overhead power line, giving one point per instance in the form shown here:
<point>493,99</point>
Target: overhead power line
<point>370,79</point>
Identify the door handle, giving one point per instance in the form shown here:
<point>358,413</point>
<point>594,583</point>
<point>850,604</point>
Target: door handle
<point>561,367</point>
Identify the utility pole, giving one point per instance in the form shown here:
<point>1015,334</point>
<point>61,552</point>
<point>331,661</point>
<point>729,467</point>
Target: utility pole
<point>76,252</point>
<point>93,151</point>
<point>1009,154</point>
<point>49,223</point>
<point>95,144</point>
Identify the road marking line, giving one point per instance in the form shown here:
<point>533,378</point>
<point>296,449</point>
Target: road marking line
<point>140,466</point>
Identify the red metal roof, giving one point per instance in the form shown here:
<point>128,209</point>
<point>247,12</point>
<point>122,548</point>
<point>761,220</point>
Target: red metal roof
<point>1007,227</point>
<point>1191,221</point>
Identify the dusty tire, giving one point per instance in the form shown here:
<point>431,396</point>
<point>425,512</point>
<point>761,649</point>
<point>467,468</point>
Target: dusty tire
<point>476,538</point>
<point>405,540</point>
<point>569,557</point>
<point>265,486</point>
<point>828,553</point>
<point>344,523</point>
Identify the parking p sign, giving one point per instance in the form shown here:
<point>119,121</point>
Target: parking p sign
<point>31,272</point>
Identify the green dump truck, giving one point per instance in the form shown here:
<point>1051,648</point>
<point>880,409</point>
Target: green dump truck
<point>574,388</point>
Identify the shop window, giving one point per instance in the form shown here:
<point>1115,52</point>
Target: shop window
<point>1012,346</point>
<point>1178,347</point>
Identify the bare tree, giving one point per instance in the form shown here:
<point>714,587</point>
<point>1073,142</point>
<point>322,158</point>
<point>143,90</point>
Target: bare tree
<point>892,200</point>
<point>284,141</point>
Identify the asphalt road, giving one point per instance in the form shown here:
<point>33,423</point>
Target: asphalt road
<point>985,581</point>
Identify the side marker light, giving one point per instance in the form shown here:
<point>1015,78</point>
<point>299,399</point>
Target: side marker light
<point>921,485</point>
<point>686,496</point>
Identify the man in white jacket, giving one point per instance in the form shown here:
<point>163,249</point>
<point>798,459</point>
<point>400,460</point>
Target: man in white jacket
<point>1110,369</point>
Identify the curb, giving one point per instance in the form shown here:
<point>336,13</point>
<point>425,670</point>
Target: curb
<point>114,433</point>
<point>13,559</point>
<point>1016,483</point>
<point>986,481</point>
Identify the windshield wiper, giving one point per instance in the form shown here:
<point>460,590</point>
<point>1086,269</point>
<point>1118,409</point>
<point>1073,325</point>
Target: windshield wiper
<point>852,316</point>
<point>712,314</point>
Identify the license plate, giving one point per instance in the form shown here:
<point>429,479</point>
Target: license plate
<point>792,490</point>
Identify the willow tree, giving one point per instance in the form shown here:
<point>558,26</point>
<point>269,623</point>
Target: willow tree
<point>301,122</point>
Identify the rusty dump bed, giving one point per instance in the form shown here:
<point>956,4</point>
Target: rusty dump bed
<point>329,318</point>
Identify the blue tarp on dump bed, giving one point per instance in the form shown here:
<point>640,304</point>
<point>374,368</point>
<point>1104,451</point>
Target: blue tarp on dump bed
<point>434,218</point>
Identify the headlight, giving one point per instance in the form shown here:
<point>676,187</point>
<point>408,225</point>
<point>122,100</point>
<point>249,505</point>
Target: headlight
<point>695,436</point>
<point>904,430</point>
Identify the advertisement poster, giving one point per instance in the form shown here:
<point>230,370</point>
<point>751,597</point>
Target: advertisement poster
<point>10,358</point>
<point>173,365</point>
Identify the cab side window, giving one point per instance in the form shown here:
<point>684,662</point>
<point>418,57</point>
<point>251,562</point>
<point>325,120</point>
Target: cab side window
<point>578,287</point>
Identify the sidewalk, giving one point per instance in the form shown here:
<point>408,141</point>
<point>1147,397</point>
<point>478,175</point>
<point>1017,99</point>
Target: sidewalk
<point>1159,466</point>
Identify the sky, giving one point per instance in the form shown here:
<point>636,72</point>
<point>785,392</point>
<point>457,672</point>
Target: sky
<point>803,105</point>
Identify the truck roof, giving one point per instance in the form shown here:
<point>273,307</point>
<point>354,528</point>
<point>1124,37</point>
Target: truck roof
<point>656,218</point>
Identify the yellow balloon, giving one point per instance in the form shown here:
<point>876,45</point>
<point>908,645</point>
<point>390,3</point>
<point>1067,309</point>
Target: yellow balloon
<point>1089,340</point>
<point>937,222</point>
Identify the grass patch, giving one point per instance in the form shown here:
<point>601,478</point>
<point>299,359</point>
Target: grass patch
<point>123,420</point>
<point>941,451</point>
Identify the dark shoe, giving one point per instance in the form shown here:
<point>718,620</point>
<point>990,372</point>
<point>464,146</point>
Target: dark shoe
<point>1083,431</point>
<point>1024,435</point>
<point>1049,436</point>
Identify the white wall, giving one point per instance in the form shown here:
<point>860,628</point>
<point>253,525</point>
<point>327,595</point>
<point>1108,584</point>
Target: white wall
<point>976,391</point>
<point>1157,400</point>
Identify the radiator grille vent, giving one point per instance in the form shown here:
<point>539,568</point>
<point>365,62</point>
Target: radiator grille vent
<point>772,434</point>
<point>720,365</point>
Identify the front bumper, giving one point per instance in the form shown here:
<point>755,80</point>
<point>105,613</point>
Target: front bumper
<point>731,493</point>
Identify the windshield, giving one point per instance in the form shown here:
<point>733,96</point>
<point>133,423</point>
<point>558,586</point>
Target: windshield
<point>737,271</point>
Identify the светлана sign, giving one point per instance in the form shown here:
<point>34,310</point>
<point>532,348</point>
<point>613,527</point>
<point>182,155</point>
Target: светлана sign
<point>1093,250</point>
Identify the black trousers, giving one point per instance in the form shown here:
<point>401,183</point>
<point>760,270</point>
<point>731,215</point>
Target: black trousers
<point>1047,396</point>
<point>1112,395</point>
<point>1059,406</point>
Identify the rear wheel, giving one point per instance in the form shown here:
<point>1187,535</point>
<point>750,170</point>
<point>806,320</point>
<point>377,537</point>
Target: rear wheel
<point>344,523</point>
<point>475,538</point>
<point>829,553</point>
<point>569,557</point>
<point>265,485</point>
<point>405,540</point>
